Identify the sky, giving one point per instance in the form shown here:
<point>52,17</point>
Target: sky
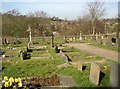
<point>71,9</point>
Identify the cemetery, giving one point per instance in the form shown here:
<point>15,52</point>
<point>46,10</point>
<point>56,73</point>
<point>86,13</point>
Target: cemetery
<point>41,61</point>
<point>42,52</point>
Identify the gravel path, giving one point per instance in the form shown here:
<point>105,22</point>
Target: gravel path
<point>107,54</point>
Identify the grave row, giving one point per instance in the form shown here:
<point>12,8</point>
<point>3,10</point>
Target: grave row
<point>96,74</point>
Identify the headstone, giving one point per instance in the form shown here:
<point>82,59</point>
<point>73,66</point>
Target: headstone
<point>64,56</point>
<point>104,42</point>
<point>99,41</point>
<point>96,37</point>
<point>74,39</point>
<point>56,49</point>
<point>21,55</point>
<point>79,66</point>
<point>80,36</point>
<point>102,37</point>
<point>30,34</point>
<point>94,73</point>
<point>114,72</point>
<point>109,43</point>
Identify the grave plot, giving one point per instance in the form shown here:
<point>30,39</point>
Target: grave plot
<point>40,54</point>
<point>76,55</point>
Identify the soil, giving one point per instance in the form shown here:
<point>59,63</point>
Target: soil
<point>38,82</point>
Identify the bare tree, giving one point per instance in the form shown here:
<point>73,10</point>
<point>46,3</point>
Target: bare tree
<point>96,11</point>
<point>13,12</point>
<point>39,14</point>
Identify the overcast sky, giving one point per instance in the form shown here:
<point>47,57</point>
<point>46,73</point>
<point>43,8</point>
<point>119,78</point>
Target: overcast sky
<point>71,9</point>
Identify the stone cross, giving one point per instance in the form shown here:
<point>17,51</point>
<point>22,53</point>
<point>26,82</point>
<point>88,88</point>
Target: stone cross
<point>30,37</point>
<point>80,36</point>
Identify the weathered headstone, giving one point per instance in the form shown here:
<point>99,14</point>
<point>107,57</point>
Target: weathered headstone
<point>74,39</point>
<point>109,42</point>
<point>64,56</point>
<point>21,55</point>
<point>114,72</point>
<point>56,49</point>
<point>96,36</point>
<point>95,73</point>
<point>104,42</point>
<point>80,36</point>
<point>79,66</point>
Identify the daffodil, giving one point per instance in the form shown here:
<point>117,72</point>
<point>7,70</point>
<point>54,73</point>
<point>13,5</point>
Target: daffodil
<point>6,78</point>
<point>6,84</point>
<point>16,80</point>
<point>11,79</point>
<point>20,84</point>
<point>19,80</point>
<point>10,83</point>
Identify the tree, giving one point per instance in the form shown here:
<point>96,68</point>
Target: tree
<point>96,11</point>
<point>13,12</point>
<point>38,14</point>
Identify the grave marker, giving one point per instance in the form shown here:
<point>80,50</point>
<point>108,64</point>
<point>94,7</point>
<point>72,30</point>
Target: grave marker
<point>80,36</point>
<point>114,72</point>
<point>94,73</point>
<point>79,65</point>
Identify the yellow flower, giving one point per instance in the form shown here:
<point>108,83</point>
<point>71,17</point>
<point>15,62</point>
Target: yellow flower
<point>16,80</point>
<point>11,79</point>
<point>6,84</point>
<point>20,84</point>
<point>10,83</point>
<point>19,80</point>
<point>5,78</point>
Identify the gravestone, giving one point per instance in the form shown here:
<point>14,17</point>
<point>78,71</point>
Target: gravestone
<point>104,42</point>
<point>79,66</point>
<point>74,39</point>
<point>114,72</point>
<point>21,55</point>
<point>109,42</point>
<point>94,73</point>
<point>56,49</point>
<point>96,36</point>
<point>80,36</point>
<point>64,56</point>
<point>99,41</point>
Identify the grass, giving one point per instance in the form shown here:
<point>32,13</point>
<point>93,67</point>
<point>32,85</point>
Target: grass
<point>46,67</point>
<point>117,49</point>
<point>94,43</point>
<point>76,55</point>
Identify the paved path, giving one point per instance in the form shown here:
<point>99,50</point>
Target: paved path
<point>107,54</point>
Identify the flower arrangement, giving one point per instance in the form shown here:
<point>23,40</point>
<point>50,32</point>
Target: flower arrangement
<point>12,83</point>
